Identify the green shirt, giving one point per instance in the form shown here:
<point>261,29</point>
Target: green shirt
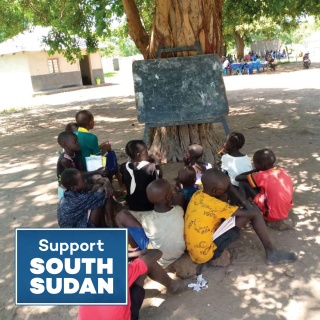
<point>88,144</point>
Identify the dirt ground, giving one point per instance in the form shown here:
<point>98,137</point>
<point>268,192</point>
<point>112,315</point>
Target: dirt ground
<point>279,110</point>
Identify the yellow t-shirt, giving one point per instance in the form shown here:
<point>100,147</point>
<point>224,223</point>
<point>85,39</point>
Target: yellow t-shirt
<point>203,217</point>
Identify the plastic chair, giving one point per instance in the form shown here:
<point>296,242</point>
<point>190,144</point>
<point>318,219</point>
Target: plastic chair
<point>246,68</point>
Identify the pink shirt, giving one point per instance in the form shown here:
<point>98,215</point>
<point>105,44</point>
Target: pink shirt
<point>276,191</point>
<point>135,269</point>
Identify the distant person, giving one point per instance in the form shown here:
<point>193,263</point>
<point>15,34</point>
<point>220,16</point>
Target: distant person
<point>269,186</point>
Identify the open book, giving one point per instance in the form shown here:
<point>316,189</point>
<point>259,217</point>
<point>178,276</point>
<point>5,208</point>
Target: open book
<point>225,226</point>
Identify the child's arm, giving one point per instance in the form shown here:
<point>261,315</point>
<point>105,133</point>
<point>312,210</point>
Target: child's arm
<point>107,186</point>
<point>66,163</point>
<point>243,177</point>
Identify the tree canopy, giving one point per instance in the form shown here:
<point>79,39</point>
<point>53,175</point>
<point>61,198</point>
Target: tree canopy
<point>92,19</point>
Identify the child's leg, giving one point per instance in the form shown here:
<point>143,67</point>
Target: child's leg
<point>273,256</point>
<point>103,217</point>
<point>247,191</point>
<point>96,216</point>
<point>136,234</point>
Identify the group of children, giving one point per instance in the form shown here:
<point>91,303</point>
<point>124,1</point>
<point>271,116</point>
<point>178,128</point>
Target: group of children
<point>198,214</point>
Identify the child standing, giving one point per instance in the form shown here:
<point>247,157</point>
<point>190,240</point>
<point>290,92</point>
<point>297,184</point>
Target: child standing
<point>192,158</point>
<point>137,175</point>
<point>270,186</point>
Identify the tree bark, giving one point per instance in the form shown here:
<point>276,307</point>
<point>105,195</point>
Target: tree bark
<point>239,44</point>
<point>182,23</point>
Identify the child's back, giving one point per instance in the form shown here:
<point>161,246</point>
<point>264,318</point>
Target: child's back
<point>233,162</point>
<point>164,226</point>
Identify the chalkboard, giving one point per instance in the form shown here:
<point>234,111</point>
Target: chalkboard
<point>181,90</point>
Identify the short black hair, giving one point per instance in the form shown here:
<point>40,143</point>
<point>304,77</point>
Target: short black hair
<point>236,140</point>
<point>187,176</point>
<point>265,157</point>
<point>71,127</point>
<point>68,178</point>
<point>83,117</point>
<point>133,147</point>
<point>63,136</point>
<point>195,150</point>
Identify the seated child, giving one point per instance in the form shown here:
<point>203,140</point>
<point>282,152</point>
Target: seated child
<point>145,264</point>
<point>205,214</point>
<point>187,179</point>
<point>192,158</point>
<point>70,158</point>
<point>270,186</point>
<point>82,209</point>
<point>163,226</point>
<point>71,127</point>
<point>233,161</point>
<point>136,175</point>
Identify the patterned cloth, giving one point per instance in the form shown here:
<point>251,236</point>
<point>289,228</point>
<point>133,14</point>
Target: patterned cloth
<point>73,208</point>
<point>203,217</point>
<point>188,192</point>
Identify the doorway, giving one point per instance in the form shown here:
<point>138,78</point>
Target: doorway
<point>85,70</point>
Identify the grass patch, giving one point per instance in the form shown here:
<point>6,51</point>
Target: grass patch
<point>110,74</point>
<point>7,111</point>
<point>284,62</point>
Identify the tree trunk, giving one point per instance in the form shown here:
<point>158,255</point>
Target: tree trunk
<point>182,23</point>
<point>240,45</point>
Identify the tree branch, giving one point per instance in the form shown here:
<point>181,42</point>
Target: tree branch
<point>136,30</point>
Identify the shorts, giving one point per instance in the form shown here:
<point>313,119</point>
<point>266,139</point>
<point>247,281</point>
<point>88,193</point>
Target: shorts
<point>137,295</point>
<point>139,237</point>
<point>225,240</point>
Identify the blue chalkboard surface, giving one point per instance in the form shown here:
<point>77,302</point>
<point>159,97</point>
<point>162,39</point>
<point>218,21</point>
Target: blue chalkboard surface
<point>181,90</point>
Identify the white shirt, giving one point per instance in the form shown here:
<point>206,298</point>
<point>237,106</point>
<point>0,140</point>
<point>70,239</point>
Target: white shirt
<point>235,166</point>
<point>165,231</point>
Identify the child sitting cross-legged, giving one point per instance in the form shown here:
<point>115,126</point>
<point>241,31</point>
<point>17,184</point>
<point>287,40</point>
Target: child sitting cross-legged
<point>163,226</point>
<point>193,158</point>
<point>80,208</point>
<point>205,213</point>
<point>271,189</point>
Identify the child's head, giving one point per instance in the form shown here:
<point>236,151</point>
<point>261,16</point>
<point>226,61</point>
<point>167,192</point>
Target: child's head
<point>85,119</point>
<point>235,141</point>
<point>187,176</point>
<point>215,182</point>
<point>137,150</point>
<point>160,192</point>
<point>72,179</point>
<point>264,159</point>
<point>194,151</point>
<point>68,141</point>
<point>71,127</point>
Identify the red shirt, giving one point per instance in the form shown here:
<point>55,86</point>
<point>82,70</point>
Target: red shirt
<point>276,191</point>
<point>135,269</point>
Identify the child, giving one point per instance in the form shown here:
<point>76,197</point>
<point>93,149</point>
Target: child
<point>233,161</point>
<point>187,178</point>
<point>204,216</point>
<point>89,145</point>
<point>270,186</point>
<point>192,157</point>
<point>136,175</point>
<point>163,226</point>
<point>71,127</point>
<point>81,209</point>
<point>145,264</point>
<point>70,157</point>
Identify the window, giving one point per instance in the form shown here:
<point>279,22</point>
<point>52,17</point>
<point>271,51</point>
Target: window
<point>53,65</point>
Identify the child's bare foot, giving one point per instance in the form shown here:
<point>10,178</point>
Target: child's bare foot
<point>223,261</point>
<point>177,286</point>
<point>279,257</point>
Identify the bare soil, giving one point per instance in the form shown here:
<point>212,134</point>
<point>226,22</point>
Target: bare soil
<point>278,109</point>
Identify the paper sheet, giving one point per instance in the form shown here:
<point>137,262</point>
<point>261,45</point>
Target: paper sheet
<point>93,163</point>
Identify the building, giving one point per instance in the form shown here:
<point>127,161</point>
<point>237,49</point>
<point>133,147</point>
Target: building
<point>26,67</point>
<point>312,45</point>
